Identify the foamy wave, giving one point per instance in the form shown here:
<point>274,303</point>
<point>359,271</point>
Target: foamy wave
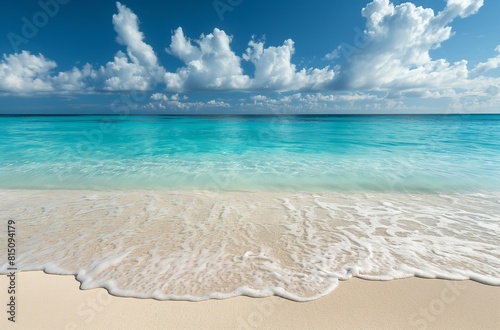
<point>196,245</point>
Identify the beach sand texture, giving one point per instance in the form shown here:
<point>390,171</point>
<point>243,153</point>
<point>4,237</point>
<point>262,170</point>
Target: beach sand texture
<point>55,302</point>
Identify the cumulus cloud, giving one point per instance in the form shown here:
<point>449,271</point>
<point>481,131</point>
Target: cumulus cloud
<point>275,71</point>
<point>489,65</point>
<point>210,64</point>
<point>75,79</point>
<point>398,44</point>
<point>333,55</point>
<point>126,25</point>
<point>395,56</point>
<point>138,69</point>
<point>175,102</point>
<point>258,98</point>
<point>318,102</point>
<point>162,101</point>
<point>125,75</point>
<point>24,73</point>
<point>460,8</point>
<point>392,62</point>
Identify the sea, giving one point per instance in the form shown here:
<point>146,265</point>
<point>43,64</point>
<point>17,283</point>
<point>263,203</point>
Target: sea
<point>200,207</point>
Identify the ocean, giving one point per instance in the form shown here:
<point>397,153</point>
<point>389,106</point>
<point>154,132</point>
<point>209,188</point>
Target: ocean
<point>252,153</point>
<point>199,207</point>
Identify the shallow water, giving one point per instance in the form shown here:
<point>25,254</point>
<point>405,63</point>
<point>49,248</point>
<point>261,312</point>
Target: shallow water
<point>196,245</point>
<point>253,153</point>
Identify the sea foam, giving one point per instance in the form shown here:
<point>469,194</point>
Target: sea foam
<point>196,245</point>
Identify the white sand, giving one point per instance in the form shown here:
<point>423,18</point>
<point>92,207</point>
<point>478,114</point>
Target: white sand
<point>55,302</point>
<point>194,244</point>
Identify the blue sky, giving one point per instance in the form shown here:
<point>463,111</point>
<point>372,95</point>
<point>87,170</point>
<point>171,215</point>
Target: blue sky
<point>242,56</point>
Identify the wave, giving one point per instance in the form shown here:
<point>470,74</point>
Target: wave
<point>197,245</point>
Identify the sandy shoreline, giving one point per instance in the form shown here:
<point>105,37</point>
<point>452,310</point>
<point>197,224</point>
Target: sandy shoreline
<point>454,236</point>
<point>195,245</point>
<point>55,302</point>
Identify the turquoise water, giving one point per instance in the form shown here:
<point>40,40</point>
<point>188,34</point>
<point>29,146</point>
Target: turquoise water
<point>251,153</point>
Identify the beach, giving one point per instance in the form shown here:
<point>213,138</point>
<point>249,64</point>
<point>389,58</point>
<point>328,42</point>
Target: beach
<point>55,302</point>
<point>198,245</point>
<point>120,240</point>
<point>301,222</point>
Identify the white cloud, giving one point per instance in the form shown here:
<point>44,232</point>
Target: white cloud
<point>395,56</point>
<point>126,25</point>
<point>398,44</point>
<point>461,8</point>
<point>24,73</point>
<point>394,60</point>
<point>162,101</point>
<point>124,75</point>
<point>159,97</point>
<point>175,102</point>
<point>275,71</point>
<point>76,79</point>
<point>333,55</point>
<point>316,102</point>
<point>490,64</point>
<point>215,103</point>
<point>210,63</point>
<point>258,98</point>
<point>138,69</point>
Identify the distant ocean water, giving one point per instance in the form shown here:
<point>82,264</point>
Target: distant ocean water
<point>442,153</point>
<point>192,208</point>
